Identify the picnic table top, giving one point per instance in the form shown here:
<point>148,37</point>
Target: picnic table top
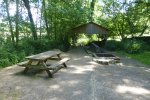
<point>44,55</point>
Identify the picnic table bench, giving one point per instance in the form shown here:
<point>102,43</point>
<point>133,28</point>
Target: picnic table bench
<point>41,60</point>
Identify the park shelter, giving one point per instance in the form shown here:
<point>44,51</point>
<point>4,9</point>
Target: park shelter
<point>90,29</point>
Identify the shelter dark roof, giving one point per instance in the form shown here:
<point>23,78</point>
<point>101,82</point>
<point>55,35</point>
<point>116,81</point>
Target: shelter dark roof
<point>90,28</point>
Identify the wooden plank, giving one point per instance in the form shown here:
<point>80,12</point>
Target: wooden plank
<point>44,55</point>
<point>56,70</point>
<point>59,63</point>
<point>23,63</point>
<point>53,58</point>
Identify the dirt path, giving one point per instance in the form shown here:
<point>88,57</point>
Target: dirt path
<point>82,80</point>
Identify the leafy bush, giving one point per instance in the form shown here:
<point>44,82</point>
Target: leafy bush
<point>38,45</point>
<point>24,46</point>
<point>21,56</point>
<point>132,46</point>
<point>10,54</point>
<point>65,45</point>
<point>12,58</point>
<point>4,62</point>
<point>113,45</point>
<point>1,40</point>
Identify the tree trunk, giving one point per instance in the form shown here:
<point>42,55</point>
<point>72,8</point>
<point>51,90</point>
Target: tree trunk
<point>41,25</point>
<point>17,21</point>
<point>55,24</point>
<point>92,8</point>
<point>33,29</point>
<point>10,23</point>
<point>45,19</point>
<point>143,30</point>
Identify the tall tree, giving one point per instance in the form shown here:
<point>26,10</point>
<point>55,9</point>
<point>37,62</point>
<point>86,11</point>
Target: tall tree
<point>33,29</point>
<point>17,21</point>
<point>45,18</point>
<point>10,22</point>
<point>93,2</point>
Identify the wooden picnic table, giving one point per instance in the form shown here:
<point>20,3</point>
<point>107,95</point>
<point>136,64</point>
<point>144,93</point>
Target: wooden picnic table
<point>41,60</point>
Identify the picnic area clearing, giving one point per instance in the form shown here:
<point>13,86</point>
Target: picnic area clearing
<point>83,79</point>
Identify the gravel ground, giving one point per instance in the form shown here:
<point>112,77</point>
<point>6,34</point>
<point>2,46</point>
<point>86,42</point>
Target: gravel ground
<point>82,80</point>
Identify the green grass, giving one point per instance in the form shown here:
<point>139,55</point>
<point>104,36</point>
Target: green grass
<point>142,57</point>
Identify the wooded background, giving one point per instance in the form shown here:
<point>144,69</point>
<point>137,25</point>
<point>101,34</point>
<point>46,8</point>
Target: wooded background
<point>32,26</point>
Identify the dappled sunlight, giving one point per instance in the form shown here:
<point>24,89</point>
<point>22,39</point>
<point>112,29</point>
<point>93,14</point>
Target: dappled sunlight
<point>87,57</point>
<point>127,81</point>
<point>55,98</point>
<point>10,67</point>
<point>18,87</point>
<point>81,69</point>
<point>124,65</point>
<point>133,90</point>
<point>54,86</point>
<point>10,73</point>
<point>148,70</point>
<point>95,64</point>
<point>78,92</point>
<point>76,58</point>
<point>73,82</point>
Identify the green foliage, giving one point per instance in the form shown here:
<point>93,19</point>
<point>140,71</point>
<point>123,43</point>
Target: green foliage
<point>64,45</point>
<point>4,62</point>
<point>142,57</point>
<point>1,40</point>
<point>126,18</point>
<point>10,54</point>
<point>13,58</point>
<point>20,55</point>
<point>127,45</point>
<point>113,45</point>
<point>26,47</point>
<point>7,58</point>
<point>136,47</point>
<point>38,45</point>
<point>132,46</point>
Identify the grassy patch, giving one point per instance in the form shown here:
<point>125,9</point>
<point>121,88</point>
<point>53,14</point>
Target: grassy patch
<point>142,57</point>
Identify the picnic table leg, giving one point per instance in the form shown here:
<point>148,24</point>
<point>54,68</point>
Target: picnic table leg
<point>65,65</point>
<point>49,73</point>
<point>47,70</point>
<point>58,55</point>
<point>27,68</point>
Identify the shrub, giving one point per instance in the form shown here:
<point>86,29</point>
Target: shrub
<point>132,46</point>
<point>9,58</point>
<point>10,54</point>
<point>25,46</point>
<point>4,62</point>
<point>21,56</point>
<point>12,58</point>
<point>113,45</point>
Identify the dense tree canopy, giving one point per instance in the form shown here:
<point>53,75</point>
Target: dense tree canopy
<point>55,18</point>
